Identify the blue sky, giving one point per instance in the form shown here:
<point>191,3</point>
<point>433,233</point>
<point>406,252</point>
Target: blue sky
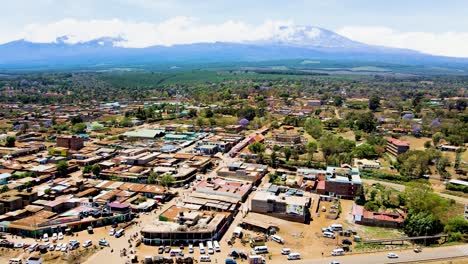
<point>438,27</point>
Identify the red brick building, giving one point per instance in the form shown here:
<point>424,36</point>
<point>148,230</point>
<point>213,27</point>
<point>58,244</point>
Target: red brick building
<point>70,142</point>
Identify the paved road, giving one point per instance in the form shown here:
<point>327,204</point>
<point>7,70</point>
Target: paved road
<point>401,187</point>
<point>404,256</point>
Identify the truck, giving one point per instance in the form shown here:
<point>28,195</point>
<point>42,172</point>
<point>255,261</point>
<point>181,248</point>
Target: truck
<point>256,259</point>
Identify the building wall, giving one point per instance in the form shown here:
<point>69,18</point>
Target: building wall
<point>346,190</point>
<point>71,142</point>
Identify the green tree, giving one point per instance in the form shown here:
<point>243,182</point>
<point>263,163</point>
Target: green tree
<point>47,191</point>
<point>441,166</point>
<point>374,103</point>
<point>427,144</point>
<point>422,224</point>
<point>79,128</point>
<point>437,137</point>
<point>365,151</point>
<point>457,224</point>
<point>87,169</point>
<point>414,163</point>
<point>295,154</point>
<point>96,169</point>
<point>152,178</point>
<point>62,167</point>
<point>4,189</point>
<point>420,198</point>
<point>76,119</point>
<point>311,148</point>
<point>313,127</point>
<point>257,148</point>
<point>274,159</point>
<point>10,141</point>
<point>287,153</point>
<point>167,180</point>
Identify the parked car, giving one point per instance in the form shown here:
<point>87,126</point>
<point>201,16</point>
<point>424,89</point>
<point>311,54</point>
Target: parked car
<point>64,247</point>
<point>54,237</point>
<point>19,245</point>
<point>417,250</point>
<point>161,249</point>
<point>346,242</point>
<point>167,249</point>
<point>112,232</point>
<point>103,242</point>
<point>87,243</point>
<point>285,251</point>
<point>45,238</point>
<point>60,236</point>
<point>58,247</point>
<point>392,255</point>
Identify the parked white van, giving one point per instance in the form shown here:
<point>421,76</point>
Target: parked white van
<point>202,248</point>
<point>209,245</point>
<point>216,246</point>
<point>338,252</point>
<point>336,227</point>
<point>329,234</point>
<point>175,252</point>
<point>190,248</point>
<point>294,256</point>
<point>261,249</point>
<point>237,231</point>
<point>277,239</point>
<point>15,261</point>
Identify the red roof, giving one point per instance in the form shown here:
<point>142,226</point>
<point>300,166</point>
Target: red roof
<point>398,142</point>
<point>321,185</point>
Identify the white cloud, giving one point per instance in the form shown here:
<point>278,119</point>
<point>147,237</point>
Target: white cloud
<point>177,30</point>
<point>185,30</point>
<point>445,44</point>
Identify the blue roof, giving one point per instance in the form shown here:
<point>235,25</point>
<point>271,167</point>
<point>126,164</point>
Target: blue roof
<point>5,175</point>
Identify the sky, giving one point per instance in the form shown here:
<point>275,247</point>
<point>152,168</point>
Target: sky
<point>431,26</point>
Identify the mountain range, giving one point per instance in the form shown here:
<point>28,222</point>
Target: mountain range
<point>289,42</point>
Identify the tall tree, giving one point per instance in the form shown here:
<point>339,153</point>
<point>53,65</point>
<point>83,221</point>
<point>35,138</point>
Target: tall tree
<point>374,103</point>
<point>10,141</point>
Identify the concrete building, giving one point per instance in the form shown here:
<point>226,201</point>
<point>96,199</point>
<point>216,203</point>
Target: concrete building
<point>341,182</point>
<point>179,225</point>
<point>70,142</point>
<point>396,147</point>
<point>244,171</point>
<point>291,208</point>
<point>366,164</point>
<point>286,140</point>
<point>222,187</point>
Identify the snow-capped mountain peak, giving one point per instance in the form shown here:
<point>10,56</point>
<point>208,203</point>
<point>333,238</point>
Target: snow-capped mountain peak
<point>310,36</point>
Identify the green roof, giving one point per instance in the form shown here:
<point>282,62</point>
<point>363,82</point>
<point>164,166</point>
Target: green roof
<point>144,133</point>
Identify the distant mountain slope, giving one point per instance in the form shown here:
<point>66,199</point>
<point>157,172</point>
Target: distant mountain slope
<point>299,42</point>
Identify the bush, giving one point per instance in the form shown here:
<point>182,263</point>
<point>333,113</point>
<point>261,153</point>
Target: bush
<point>384,176</point>
<point>458,188</point>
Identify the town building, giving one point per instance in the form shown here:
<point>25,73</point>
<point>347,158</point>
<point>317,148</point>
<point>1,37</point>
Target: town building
<point>70,142</point>
<point>392,219</point>
<point>341,182</point>
<point>291,208</point>
<point>249,172</point>
<point>286,140</point>
<point>396,147</point>
<point>366,164</point>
